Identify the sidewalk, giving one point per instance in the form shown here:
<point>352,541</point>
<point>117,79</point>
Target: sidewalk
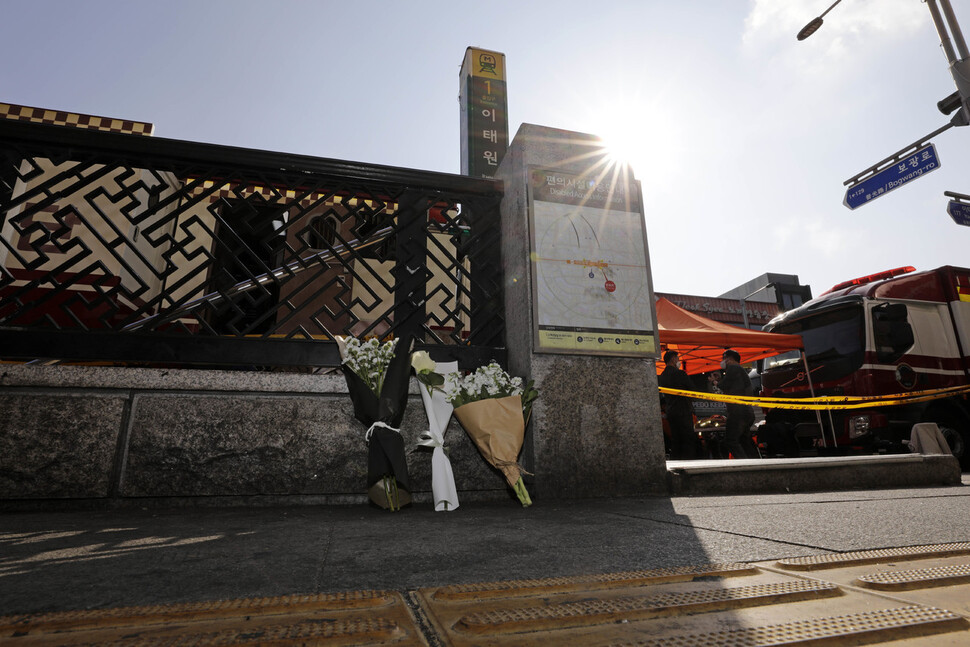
<point>54,561</point>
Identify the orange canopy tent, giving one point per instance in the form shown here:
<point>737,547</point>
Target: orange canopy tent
<point>701,341</point>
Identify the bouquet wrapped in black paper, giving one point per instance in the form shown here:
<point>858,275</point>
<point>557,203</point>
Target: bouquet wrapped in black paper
<point>377,377</point>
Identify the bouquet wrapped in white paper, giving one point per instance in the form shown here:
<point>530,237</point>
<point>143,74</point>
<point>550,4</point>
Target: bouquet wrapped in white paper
<point>432,376</point>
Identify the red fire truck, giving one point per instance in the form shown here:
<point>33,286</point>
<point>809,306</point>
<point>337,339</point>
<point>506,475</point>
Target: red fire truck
<point>895,332</point>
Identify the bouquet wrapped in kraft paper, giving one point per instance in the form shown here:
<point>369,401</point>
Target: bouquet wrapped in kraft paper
<point>377,378</point>
<point>494,409</point>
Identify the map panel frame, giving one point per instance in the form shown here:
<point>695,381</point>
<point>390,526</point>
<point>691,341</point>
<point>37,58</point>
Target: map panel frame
<point>592,289</point>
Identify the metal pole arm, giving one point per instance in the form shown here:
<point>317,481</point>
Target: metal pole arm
<point>895,157</point>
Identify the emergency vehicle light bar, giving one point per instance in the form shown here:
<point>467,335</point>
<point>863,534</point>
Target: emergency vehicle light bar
<point>879,276</point>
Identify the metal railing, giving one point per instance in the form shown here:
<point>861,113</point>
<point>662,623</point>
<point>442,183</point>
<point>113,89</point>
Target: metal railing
<point>134,249</point>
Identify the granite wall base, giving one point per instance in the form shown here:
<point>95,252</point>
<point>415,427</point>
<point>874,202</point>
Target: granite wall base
<point>594,429</point>
<point>129,433</point>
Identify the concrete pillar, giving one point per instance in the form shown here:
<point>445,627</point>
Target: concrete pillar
<point>596,427</point>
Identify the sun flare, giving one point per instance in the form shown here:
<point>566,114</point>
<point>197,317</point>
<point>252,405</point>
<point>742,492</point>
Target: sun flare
<point>645,139</point>
<point>620,150</point>
<point>626,135</point>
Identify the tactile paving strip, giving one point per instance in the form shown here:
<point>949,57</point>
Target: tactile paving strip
<point>353,618</point>
<point>698,606</point>
<point>375,631</point>
<point>927,575</point>
<point>720,604</point>
<point>917,578</point>
<point>591,612</point>
<point>127,616</point>
<point>484,590</point>
<point>838,560</point>
<point>889,623</point>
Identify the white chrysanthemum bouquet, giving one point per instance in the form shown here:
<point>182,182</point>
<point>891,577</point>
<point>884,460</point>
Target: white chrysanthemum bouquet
<point>377,377</point>
<point>494,409</point>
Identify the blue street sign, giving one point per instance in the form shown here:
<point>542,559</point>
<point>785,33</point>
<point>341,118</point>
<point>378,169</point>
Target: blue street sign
<point>910,168</point>
<point>960,212</point>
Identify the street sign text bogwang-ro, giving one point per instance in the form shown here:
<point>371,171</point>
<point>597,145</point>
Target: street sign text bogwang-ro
<point>892,177</point>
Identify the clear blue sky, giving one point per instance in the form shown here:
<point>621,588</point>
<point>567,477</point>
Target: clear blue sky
<point>741,135</point>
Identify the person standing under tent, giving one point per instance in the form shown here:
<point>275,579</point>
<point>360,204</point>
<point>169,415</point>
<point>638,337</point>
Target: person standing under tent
<point>740,417</point>
<point>679,408</point>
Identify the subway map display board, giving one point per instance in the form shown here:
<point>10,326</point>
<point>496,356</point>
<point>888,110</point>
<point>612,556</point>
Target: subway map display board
<point>590,268</point>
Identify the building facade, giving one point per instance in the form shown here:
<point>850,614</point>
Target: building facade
<point>750,305</point>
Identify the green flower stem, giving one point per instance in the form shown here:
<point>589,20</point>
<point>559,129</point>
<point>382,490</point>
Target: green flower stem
<point>390,491</point>
<point>522,493</point>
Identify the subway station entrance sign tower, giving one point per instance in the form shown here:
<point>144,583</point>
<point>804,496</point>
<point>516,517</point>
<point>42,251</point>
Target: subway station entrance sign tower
<point>580,317</point>
<point>484,112</point>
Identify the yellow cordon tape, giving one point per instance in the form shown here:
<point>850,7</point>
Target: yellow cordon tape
<point>825,402</point>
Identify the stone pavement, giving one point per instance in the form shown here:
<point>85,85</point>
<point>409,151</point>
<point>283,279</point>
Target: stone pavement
<point>68,560</point>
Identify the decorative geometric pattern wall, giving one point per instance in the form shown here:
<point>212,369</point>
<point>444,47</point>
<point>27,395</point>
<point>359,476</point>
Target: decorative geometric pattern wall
<point>111,234</point>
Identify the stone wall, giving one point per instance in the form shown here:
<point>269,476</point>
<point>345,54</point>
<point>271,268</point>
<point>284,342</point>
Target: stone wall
<point>135,434</point>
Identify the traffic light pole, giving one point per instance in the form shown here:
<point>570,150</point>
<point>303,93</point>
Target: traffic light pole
<point>950,33</point>
<point>947,27</point>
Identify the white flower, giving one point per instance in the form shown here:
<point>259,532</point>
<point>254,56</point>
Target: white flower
<point>421,361</point>
<point>342,346</point>
<point>487,382</point>
<point>369,360</point>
